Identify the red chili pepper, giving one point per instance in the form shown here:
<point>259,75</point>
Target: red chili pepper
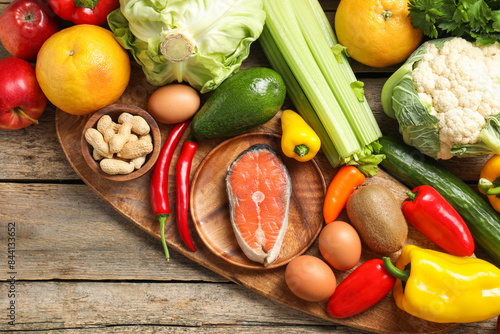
<point>84,11</point>
<point>432,215</point>
<point>347,179</point>
<point>182,173</point>
<point>159,179</point>
<point>363,288</point>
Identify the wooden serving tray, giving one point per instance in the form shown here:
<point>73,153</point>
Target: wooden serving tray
<point>132,200</point>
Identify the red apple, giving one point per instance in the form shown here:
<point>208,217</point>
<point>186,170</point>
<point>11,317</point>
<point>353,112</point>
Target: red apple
<point>25,25</point>
<point>22,101</point>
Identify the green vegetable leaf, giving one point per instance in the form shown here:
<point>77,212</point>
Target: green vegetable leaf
<point>495,18</point>
<point>417,126</point>
<point>471,150</point>
<point>359,91</point>
<point>177,41</point>
<point>367,160</point>
<point>471,19</point>
<point>337,50</point>
<point>368,165</point>
<point>479,13</point>
<point>490,134</point>
<point>424,14</point>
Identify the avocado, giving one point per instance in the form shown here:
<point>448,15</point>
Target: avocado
<point>245,100</point>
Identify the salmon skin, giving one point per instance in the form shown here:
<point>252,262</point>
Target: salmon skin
<point>259,189</point>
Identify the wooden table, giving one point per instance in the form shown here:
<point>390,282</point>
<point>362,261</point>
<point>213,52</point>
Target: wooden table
<point>81,267</point>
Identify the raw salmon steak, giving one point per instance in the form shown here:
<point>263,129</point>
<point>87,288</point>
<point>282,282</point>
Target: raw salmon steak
<point>259,189</point>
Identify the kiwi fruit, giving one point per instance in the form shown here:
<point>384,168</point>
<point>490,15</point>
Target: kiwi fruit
<point>376,214</point>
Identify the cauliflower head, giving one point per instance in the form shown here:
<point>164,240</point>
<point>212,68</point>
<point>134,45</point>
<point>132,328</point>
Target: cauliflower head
<point>446,98</point>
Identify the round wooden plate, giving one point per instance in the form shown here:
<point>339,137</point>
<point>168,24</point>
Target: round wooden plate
<point>209,203</point>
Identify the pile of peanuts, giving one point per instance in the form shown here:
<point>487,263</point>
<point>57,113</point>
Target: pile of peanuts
<point>120,147</point>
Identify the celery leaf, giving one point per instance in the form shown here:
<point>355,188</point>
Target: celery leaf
<point>337,50</point>
<point>359,91</point>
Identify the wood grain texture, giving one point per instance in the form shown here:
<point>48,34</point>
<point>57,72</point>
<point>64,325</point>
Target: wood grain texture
<point>68,234</point>
<point>76,251</point>
<point>37,149</point>
<point>132,200</point>
<point>88,304</point>
<point>34,153</point>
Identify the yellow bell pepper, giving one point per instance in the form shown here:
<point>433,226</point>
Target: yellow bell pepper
<point>489,182</point>
<point>298,141</point>
<point>445,288</point>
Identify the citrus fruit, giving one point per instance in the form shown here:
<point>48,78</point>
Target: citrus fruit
<point>82,69</point>
<point>376,33</point>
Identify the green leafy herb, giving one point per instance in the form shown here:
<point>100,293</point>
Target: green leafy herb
<point>477,20</point>
<point>338,50</point>
<point>359,90</point>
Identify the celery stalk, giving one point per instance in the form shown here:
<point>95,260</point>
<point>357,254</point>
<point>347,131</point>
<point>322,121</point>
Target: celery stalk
<point>282,24</point>
<point>347,71</point>
<point>297,41</point>
<point>322,20</point>
<point>332,71</point>
<point>328,33</point>
<point>297,96</point>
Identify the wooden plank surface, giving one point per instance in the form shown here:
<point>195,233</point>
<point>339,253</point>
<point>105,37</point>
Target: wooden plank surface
<point>180,305</point>
<point>38,151</point>
<point>80,264</point>
<point>132,200</point>
<point>65,232</point>
<point>83,268</point>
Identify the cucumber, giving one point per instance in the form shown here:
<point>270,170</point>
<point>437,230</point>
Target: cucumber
<point>414,169</point>
<point>245,100</point>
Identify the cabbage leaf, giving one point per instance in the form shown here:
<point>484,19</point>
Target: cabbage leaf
<point>201,42</point>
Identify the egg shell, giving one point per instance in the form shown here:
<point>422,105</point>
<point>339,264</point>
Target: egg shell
<point>340,245</point>
<point>173,103</point>
<point>310,278</point>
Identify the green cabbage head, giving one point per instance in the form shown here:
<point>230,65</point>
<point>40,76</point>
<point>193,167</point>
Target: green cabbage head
<point>200,42</point>
<point>451,107</point>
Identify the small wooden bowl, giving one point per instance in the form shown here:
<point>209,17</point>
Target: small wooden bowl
<point>115,110</point>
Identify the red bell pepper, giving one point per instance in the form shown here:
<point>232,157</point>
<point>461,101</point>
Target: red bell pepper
<point>432,215</point>
<point>84,11</point>
<point>363,288</point>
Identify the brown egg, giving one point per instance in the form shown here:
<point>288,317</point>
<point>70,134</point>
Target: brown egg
<point>173,103</point>
<point>340,245</point>
<point>310,278</point>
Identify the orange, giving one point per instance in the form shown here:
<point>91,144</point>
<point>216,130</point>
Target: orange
<point>82,69</point>
<point>376,33</point>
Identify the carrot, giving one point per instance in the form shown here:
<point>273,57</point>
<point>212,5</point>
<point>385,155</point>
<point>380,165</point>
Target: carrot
<point>347,179</point>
